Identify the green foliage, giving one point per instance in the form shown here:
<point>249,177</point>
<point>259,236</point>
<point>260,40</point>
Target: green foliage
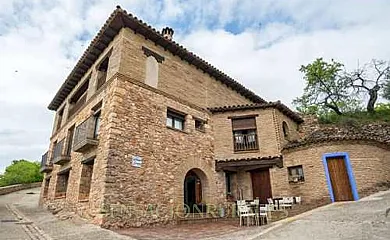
<point>355,118</point>
<point>21,171</point>
<point>326,89</point>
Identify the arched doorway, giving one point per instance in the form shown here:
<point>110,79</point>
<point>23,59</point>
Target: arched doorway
<point>193,191</point>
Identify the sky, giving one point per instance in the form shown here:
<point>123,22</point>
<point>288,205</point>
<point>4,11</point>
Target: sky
<point>260,43</point>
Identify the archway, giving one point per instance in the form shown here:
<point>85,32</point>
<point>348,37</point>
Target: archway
<point>194,186</point>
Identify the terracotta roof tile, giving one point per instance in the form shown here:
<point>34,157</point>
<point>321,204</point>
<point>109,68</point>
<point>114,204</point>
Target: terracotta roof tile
<point>278,105</point>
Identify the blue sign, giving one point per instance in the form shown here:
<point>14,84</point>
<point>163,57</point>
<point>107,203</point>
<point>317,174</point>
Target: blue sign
<point>136,161</point>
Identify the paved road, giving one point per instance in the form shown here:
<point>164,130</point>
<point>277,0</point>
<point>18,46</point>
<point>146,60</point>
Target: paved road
<point>36,223</point>
<point>364,219</point>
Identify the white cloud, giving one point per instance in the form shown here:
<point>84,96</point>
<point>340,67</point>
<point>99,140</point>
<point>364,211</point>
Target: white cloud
<point>40,41</point>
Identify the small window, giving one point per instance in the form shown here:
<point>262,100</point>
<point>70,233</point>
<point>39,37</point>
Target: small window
<point>86,179</point>
<point>59,118</point>
<point>285,130</point>
<point>199,125</point>
<point>62,184</point>
<point>228,178</point>
<point>295,174</point>
<point>175,120</point>
<point>102,70</point>
<point>69,140</point>
<point>46,187</point>
<point>97,125</point>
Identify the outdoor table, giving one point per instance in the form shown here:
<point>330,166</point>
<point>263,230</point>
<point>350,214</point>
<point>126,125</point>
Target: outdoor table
<point>276,201</point>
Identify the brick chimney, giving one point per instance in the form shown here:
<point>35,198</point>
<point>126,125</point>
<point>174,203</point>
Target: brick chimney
<point>167,33</point>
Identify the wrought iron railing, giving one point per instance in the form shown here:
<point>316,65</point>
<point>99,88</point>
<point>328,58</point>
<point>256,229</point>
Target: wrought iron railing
<point>245,142</point>
<point>84,134</point>
<point>45,159</point>
<point>58,149</point>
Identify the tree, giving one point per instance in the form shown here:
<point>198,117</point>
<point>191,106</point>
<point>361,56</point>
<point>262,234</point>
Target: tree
<point>369,80</point>
<point>21,171</point>
<point>326,89</point>
<point>386,88</point>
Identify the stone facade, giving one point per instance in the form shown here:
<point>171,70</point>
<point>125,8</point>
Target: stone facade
<point>370,166</point>
<point>134,170</point>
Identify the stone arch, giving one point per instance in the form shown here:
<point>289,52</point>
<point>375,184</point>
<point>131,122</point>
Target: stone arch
<point>151,77</point>
<point>286,130</point>
<point>195,188</point>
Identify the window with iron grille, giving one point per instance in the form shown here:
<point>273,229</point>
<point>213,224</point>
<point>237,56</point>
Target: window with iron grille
<point>245,134</point>
<point>295,174</point>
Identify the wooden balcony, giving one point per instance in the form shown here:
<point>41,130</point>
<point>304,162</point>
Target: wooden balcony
<point>85,137</point>
<point>46,166</point>
<point>60,156</point>
<point>245,142</point>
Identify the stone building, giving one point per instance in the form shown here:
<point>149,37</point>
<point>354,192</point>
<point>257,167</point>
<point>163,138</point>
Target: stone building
<point>144,128</point>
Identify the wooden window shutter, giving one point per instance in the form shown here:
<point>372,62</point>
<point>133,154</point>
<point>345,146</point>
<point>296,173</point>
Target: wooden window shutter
<point>244,123</point>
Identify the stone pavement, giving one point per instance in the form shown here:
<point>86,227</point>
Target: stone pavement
<point>21,218</point>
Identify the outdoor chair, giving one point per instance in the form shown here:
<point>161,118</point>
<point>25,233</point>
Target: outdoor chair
<point>245,212</point>
<point>271,205</point>
<point>286,202</point>
<point>298,200</point>
<point>263,214</point>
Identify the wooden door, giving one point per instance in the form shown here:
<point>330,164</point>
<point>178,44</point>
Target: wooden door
<point>339,179</point>
<point>261,185</point>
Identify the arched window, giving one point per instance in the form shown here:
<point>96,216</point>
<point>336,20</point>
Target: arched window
<point>285,130</point>
<point>151,72</point>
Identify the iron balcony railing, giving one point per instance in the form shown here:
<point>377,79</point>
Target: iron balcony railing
<point>46,166</point>
<point>59,156</point>
<point>84,136</point>
<point>58,149</point>
<point>245,142</point>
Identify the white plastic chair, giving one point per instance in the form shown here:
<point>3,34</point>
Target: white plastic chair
<point>263,214</point>
<point>298,200</point>
<point>286,202</point>
<point>244,211</point>
<point>271,205</point>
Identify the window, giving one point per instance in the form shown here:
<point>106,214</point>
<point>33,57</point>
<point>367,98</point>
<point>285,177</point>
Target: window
<point>285,130</point>
<point>96,116</point>
<point>97,125</point>
<point>228,179</point>
<point>70,141</point>
<point>199,125</point>
<point>295,174</point>
<point>86,179</point>
<point>46,187</point>
<point>78,99</point>
<point>244,134</point>
<point>175,120</point>
<point>59,118</point>
<point>102,71</point>
<point>151,77</point>
<point>62,183</point>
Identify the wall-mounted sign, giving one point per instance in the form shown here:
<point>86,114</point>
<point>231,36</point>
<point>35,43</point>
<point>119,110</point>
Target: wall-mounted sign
<point>136,161</point>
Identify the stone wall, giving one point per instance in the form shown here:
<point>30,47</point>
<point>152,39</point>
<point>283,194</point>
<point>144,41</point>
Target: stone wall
<point>370,164</point>
<point>91,208</point>
<point>176,76</point>
<point>269,132</point>
<point>139,129</point>
<point>18,187</point>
